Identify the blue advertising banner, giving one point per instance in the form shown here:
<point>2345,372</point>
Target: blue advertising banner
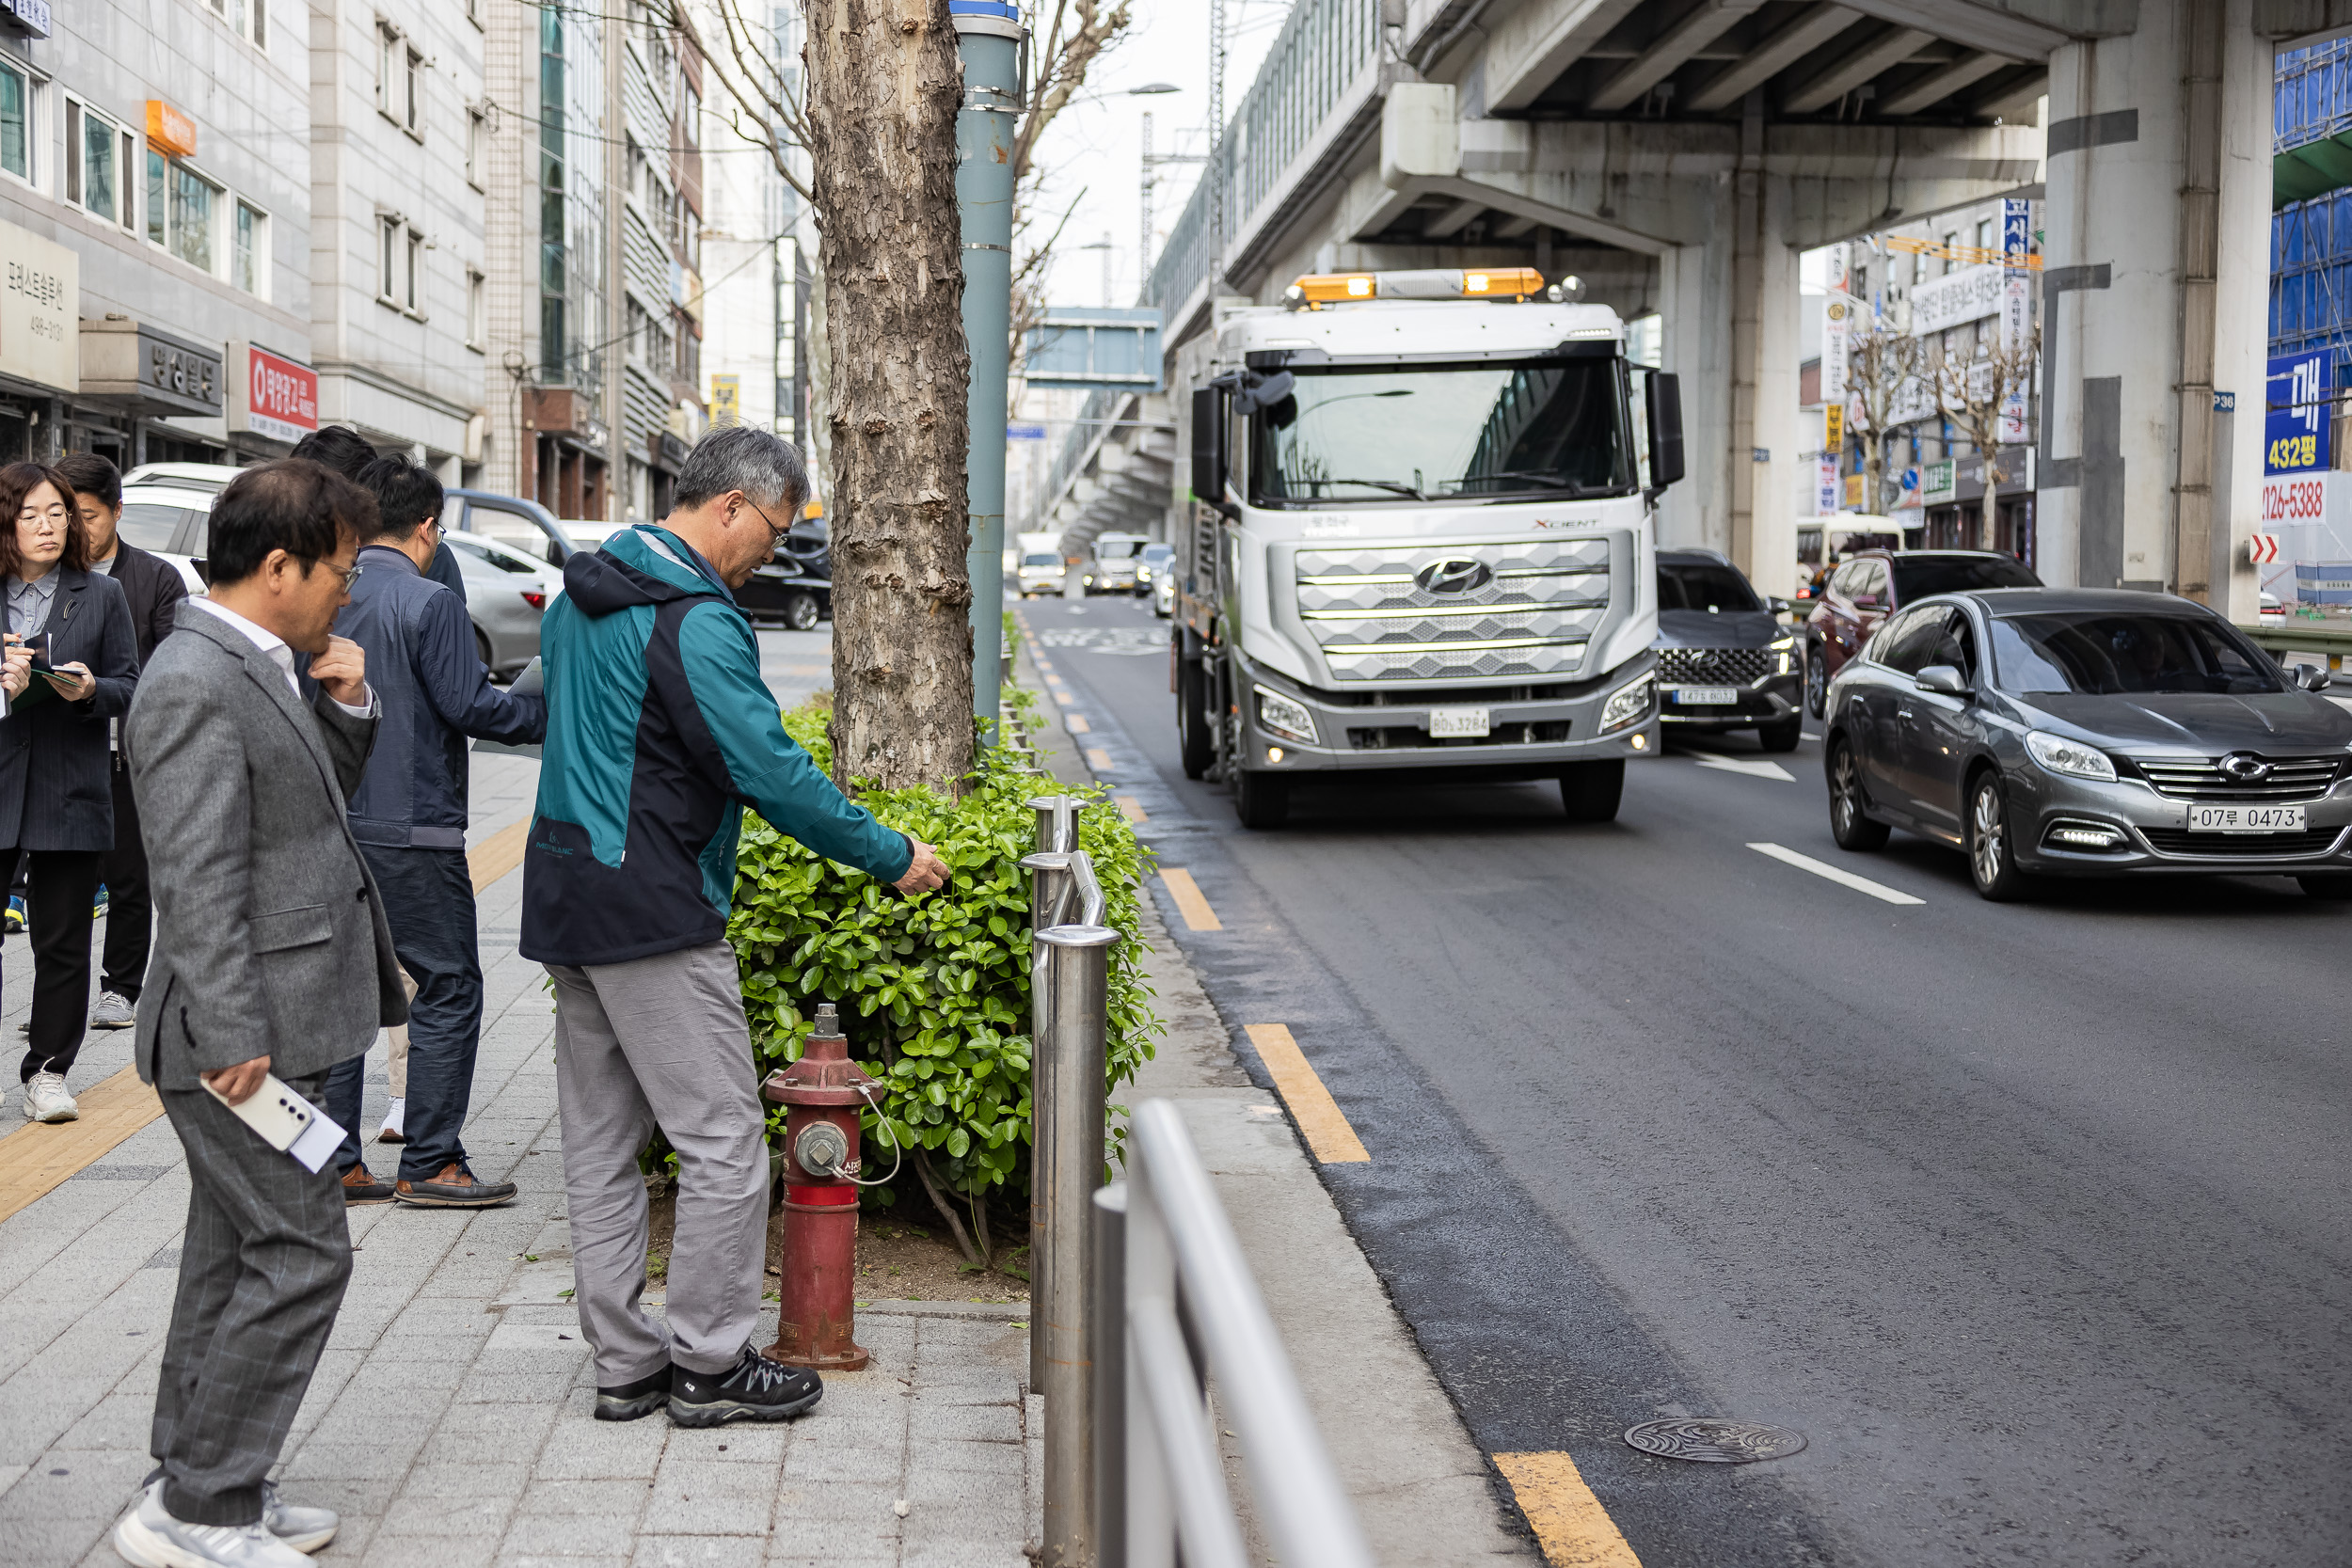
<point>2295,425</point>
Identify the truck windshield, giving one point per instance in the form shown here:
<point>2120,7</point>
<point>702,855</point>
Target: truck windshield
<point>1457,432</point>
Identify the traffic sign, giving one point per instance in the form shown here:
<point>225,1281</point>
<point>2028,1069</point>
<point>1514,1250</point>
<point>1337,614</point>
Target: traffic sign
<point>2262,549</point>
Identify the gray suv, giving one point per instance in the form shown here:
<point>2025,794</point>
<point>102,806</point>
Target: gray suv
<point>2090,733</point>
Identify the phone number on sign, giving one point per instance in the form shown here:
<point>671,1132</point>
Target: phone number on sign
<point>2306,501</point>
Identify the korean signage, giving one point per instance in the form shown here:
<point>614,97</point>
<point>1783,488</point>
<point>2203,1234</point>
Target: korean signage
<point>2016,312</point>
<point>1854,492</point>
<point>1836,316</point>
<point>1833,429</point>
<point>726,399</point>
<point>1939,482</point>
<point>168,130</point>
<point>1825,485</point>
<point>2295,425</point>
<point>40,298</point>
<point>1025,433</point>
<point>271,395</point>
<point>30,15</point>
<point>1958,298</point>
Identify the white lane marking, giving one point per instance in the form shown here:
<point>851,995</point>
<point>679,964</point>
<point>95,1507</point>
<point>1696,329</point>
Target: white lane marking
<point>1739,764</point>
<point>1842,878</point>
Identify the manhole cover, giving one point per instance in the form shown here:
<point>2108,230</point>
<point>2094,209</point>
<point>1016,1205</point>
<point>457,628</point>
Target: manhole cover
<point>1713,1442</point>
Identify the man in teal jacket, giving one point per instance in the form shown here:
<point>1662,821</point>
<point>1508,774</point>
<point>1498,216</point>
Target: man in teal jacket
<point>659,732</point>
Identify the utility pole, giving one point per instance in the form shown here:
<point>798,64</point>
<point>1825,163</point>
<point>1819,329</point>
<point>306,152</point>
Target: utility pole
<point>989,37</point>
<point>1151,160</point>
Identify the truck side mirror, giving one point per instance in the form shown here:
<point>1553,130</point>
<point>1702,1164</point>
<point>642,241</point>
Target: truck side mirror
<point>1208,447</point>
<point>1662,403</point>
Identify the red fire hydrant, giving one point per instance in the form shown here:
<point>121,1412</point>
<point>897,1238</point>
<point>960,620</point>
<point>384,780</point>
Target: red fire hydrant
<point>820,1164</point>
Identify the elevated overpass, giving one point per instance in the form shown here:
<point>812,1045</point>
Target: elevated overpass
<point>1677,154</point>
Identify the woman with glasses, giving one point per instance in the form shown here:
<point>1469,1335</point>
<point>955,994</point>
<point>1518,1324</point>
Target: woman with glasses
<point>70,662</point>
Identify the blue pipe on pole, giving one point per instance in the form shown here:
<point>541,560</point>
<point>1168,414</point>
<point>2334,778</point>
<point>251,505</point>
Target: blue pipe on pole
<point>989,37</point>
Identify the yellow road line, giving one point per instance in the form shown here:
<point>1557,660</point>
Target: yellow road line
<point>1129,807</point>
<point>1574,1531</point>
<point>1318,1115</point>
<point>1098,759</point>
<point>1195,909</point>
<point>498,854</point>
<point>37,1157</point>
<point>1075,722</point>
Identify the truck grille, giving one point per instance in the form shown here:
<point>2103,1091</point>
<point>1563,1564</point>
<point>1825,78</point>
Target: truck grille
<point>2180,841</point>
<point>1390,737</point>
<point>1533,617</point>
<point>1713,666</point>
<point>2201,779</point>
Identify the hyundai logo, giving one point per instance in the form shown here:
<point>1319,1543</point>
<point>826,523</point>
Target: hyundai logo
<point>1453,577</point>
<point>2245,767</point>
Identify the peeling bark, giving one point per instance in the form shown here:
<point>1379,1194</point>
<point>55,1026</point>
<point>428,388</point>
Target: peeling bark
<point>885,82</point>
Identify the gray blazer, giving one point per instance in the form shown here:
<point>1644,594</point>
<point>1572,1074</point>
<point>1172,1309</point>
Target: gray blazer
<point>270,937</point>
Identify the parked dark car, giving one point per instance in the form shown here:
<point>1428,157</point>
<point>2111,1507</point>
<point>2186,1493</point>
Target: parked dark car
<point>513,521</point>
<point>2090,733</point>
<point>1874,584</point>
<point>795,584</point>
<point>1725,661</point>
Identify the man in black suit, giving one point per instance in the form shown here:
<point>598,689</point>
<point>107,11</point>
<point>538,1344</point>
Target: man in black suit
<point>154,588</point>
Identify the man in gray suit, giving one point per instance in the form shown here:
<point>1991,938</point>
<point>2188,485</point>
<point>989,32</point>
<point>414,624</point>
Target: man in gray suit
<point>272,955</point>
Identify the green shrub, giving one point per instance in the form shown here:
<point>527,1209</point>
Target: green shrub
<point>933,990</point>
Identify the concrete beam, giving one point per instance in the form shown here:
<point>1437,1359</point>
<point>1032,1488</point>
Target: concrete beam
<point>2021,29</point>
<point>1889,49</point>
<point>2284,22</point>
<point>1529,49</point>
<point>1773,56</point>
<point>1513,227</point>
<point>1938,85</point>
<point>1698,27</point>
<point>1454,218</point>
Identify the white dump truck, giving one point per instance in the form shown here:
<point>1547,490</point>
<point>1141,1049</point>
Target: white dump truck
<point>1421,538</point>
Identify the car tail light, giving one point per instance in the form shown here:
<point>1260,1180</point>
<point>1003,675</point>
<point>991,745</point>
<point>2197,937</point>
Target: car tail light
<point>534,598</point>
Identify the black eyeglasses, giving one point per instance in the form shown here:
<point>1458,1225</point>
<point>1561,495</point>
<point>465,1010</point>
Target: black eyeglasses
<point>775,534</point>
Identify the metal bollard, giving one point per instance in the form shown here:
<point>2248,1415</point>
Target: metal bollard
<point>1050,891</point>
<point>1057,821</point>
<point>1066,1077</point>
<point>1108,1333</point>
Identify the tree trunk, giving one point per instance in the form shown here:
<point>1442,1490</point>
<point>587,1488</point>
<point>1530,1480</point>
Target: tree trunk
<point>885,84</point>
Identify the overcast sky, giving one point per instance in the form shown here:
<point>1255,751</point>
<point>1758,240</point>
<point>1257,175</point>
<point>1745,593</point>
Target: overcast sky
<point>1090,155</point>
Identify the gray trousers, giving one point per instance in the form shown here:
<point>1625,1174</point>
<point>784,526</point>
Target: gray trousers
<point>262,1275</point>
<point>661,1042</point>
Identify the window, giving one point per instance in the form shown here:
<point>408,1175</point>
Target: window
<point>689,123</point>
<point>1952,241</point>
<point>99,158</point>
<point>251,18</point>
<point>1984,234</point>
<point>387,68</point>
<point>639,339</point>
<point>473,147</point>
<point>412,91</point>
<point>16,122</point>
<point>410,285</point>
<point>477,309</point>
<point>184,210</point>
<point>2119,652</point>
<point>387,256</point>
<point>1904,644</point>
<point>249,253</point>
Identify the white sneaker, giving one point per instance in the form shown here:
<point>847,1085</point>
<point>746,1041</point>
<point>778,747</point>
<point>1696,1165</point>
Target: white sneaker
<point>114,1011</point>
<point>394,1131</point>
<point>147,1537</point>
<point>46,1099</point>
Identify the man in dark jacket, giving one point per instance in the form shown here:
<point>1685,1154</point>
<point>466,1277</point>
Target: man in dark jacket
<point>155,589</point>
<point>347,451</point>
<point>408,815</point>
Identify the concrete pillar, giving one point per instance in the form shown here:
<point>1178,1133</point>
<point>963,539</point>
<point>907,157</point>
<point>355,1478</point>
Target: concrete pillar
<point>2154,280</point>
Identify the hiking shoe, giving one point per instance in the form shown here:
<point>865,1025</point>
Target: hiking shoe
<point>114,1011</point>
<point>149,1536</point>
<point>46,1099</point>
<point>361,1186</point>
<point>630,1400</point>
<point>455,1188</point>
<point>98,910</point>
<point>754,1389</point>
<point>395,1119</point>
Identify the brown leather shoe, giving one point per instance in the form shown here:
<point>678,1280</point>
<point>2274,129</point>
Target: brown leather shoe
<point>359,1186</point>
<point>455,1188</point>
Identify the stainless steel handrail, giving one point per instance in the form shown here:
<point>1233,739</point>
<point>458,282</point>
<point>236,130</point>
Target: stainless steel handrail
<point>1089,890</point>
<point>1176,1240</point>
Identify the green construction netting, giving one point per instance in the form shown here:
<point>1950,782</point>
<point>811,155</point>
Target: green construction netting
<point>2311,169</point>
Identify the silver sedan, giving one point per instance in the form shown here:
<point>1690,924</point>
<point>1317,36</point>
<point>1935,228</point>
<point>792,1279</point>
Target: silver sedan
<point>2052,731</point>
<point>506,594</point>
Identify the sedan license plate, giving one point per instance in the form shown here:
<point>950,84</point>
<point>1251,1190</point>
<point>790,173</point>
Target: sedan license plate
<point>2245,820</point>
<point>1705,696</point>
<point>1457,724</point>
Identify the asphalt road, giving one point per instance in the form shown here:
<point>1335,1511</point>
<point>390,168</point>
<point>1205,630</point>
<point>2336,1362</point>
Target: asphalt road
<point>2036,1220</point>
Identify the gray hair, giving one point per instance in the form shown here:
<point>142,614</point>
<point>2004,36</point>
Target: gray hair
<point>742,457</point>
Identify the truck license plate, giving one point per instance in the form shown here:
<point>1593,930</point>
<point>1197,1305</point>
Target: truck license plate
<point>2245,820</point>
<point>1705,696</point>
<point>1457,724</point>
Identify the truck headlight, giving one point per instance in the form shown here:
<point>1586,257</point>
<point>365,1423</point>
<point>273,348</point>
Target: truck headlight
<point>1629,704</point>
<point>2072,758</point>
<point>1285,716</point>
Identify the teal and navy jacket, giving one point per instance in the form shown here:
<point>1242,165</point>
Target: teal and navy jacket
<point>659,732</point>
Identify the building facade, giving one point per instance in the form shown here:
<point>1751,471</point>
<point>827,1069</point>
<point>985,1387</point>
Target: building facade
<point>653,377</point>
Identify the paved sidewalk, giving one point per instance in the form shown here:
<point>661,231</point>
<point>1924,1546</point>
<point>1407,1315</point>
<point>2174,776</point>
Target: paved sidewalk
<point>449,1418</point>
